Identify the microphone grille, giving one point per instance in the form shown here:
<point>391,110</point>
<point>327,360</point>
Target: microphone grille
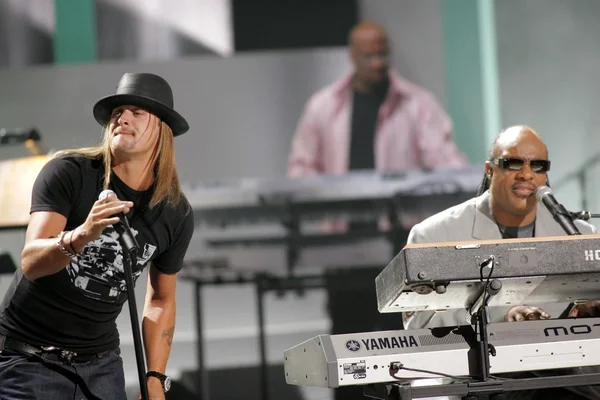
<point>542,191</point>
<point>105,193</point>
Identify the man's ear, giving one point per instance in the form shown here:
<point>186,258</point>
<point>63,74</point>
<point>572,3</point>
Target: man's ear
<point>488,169</point>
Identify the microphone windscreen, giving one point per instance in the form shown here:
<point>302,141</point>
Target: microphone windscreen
<point>542,191</point>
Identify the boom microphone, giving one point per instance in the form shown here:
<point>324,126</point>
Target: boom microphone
<point>561,215</point>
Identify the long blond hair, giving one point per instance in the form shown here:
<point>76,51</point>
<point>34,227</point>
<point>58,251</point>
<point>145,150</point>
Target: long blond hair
<point>167,188</point>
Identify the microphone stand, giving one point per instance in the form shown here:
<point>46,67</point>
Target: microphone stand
<point>129,260</point>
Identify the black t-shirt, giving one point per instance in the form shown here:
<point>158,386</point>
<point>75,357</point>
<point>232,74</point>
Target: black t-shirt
<point>365,110</point>
<point>76,308</point>
<point>513,232</point>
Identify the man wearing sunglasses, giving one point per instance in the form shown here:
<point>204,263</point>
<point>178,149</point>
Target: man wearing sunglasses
<point>505,207</point>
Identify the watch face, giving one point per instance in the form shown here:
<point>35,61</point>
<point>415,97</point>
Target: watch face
<point>167,384</point>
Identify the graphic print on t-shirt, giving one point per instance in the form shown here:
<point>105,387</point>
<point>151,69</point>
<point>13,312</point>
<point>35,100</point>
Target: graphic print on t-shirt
<point>98,271</point>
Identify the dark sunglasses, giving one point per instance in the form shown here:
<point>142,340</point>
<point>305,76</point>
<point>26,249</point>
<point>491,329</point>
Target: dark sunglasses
<point>516,164</point>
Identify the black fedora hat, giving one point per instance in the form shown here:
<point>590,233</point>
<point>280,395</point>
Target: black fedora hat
<point>148,91</point>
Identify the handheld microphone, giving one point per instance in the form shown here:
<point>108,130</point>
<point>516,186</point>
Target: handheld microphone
<point>122,227</point>
<point>561,215</point>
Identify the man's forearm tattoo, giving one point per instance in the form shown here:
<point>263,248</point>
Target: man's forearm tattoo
<point>168,335</point>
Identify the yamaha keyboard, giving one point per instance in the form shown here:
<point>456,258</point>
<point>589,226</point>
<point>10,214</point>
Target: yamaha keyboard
<point>442,276</point>
<point>391,356</point>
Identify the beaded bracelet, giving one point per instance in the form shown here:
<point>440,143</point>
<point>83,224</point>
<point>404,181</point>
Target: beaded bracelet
<point>61,247</point>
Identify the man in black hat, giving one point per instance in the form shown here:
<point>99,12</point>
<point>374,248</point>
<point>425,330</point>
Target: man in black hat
<point>58,333</point>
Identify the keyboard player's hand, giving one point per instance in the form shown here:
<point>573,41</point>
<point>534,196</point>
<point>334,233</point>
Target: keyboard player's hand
<point>525,313</point>
<point>590,308</point>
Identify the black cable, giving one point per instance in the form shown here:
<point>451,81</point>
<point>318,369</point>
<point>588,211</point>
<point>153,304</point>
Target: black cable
<point>400,366</point>
<point>491,260</point>
<point>484,264</point>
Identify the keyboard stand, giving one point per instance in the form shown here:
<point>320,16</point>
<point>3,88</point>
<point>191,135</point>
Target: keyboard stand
<point>471,390</point>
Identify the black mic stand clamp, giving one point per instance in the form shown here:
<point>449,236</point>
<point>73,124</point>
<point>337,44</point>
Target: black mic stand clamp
<point>583,215</point>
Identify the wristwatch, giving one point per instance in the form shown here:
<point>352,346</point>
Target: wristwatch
<point>165,381</point>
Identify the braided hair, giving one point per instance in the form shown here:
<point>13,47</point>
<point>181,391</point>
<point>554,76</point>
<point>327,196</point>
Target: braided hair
<point>483,185</point>
<point>485,181</point>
